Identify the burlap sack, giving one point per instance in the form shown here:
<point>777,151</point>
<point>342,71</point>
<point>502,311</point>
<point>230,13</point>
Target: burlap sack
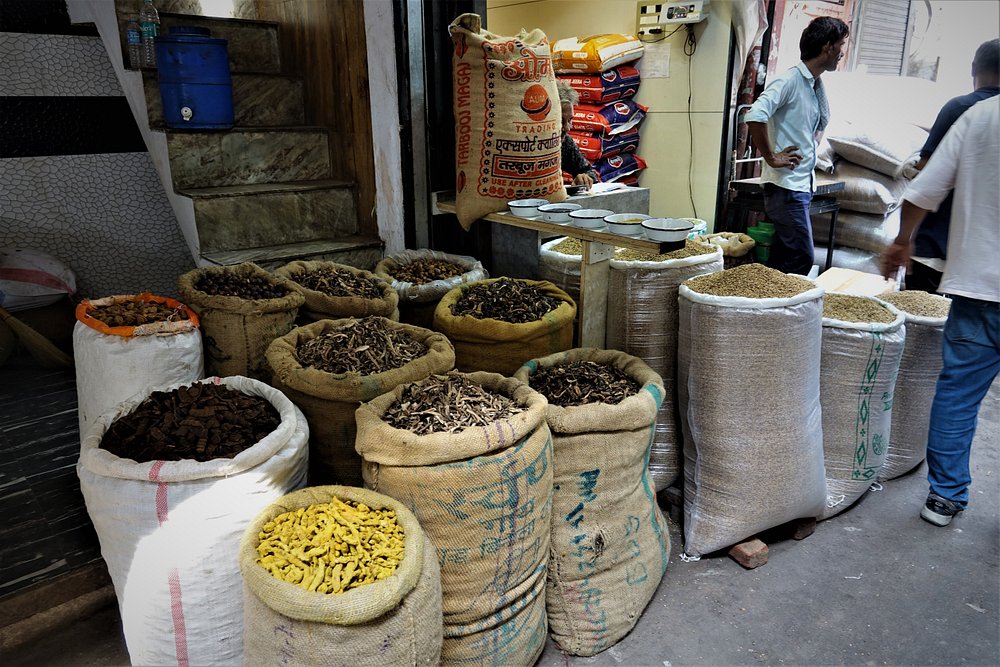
<point>860,361</point>
<point>919,368</point>
<point>642,321</point>
<point>508,120</point>
<point>501,347</point>
<point>737,248</point>
<point>329,401</point>
<point>748,391</point>
<point>560,269</point>
<point>320,306</point>
<point>418,301</point>
<point>237,331</point>
<point>483,495</point>
<point>396,621</point>
<point>865,190</point>
<point>609,542</point>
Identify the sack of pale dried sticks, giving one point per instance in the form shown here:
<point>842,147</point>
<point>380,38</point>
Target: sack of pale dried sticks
<point>334,290</point>
<point>422,277</point>
<point>642,321</point>
<point>391,621</point>
<point>737,248</point>
<point>749,463</point>
<point>862,345</point>
<point>320,368</point>
<point>609,540</point>
<point>471,456</point>
<point>919,369</point>
<point>559,263</point>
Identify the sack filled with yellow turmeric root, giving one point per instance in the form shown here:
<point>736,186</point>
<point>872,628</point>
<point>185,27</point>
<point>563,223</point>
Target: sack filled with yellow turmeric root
<point>339,575</point>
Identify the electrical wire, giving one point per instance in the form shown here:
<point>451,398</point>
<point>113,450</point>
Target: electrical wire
<point>692,42</point>
<point>662,37</point>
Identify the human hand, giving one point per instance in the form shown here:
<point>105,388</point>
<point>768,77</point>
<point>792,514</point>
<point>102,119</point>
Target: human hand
<point>895,255</point>
<point>789,157</point>
<point>583,179</point>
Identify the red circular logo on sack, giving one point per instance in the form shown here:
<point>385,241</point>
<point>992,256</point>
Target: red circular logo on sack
<point>615,161</point>
<point>536,102</point>
<point>622,108</point>
<point>460,181</point>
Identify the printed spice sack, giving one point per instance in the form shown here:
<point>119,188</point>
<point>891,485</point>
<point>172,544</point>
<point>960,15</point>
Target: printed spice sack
<point>394,621</point>
<point>482,493</point>
<point>126,345</point>
<point>919,369</point>
<point>642,321</point>
<point>322,369</point>
<point>498,324</point>
<point>508,121</point>
<point>334,290</point>
<point>242,309</point>
<point>749,464</point>
<point>862,345</point>
<point>170,530</point>
<point>422,277</point>
<point>609,542</point>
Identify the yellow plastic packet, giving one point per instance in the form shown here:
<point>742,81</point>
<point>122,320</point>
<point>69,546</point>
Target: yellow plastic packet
<point>594,54</point>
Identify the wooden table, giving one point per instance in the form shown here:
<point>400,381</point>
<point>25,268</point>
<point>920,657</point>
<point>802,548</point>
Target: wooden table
<point>595,264</point>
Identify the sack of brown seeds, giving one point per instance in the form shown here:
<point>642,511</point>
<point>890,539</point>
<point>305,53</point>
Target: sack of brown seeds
<point>334,290</point>
<point>508,120</point>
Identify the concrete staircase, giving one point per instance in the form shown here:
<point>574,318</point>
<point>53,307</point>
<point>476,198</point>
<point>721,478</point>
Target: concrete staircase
<point>263,191</point>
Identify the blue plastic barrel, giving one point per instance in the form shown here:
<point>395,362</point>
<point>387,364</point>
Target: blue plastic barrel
<point>195,86</point>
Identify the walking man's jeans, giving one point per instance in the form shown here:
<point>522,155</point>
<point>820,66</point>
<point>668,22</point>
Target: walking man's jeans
<point>971,353</point>
<point>792,246</point>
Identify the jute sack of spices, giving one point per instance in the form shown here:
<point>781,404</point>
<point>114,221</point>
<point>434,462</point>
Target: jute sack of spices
<point>748,392</point>
<point>329,400</point>
<point>609,542</point>
<point>237,331</point>
<point>170,532</point>
<point>322,306</point>
<point>560,266</point>
<point>919,368</point>
<point>642,321</point>
<point>508,120</point>
<point>501,347</point>
<point>857,375</point>
<point>417,301</point>
<point>394,621</point>
<point>483,495</point>
<point>114,363</point>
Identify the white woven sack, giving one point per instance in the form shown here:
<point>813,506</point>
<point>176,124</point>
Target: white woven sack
<point>862,231</point>
<point>865,190</point>
<point>748,391</point>
<point>857,378</point>
<point>560,269</point>
<point>170,533</point>
<point>112,369</point>
<point>851,258</point>
<point>879,143</point>
<point>434,290</point>
<point>919,368</point>
<point>642,321</point>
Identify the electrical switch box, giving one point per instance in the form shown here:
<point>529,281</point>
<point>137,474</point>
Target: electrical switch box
<point>653,17</point>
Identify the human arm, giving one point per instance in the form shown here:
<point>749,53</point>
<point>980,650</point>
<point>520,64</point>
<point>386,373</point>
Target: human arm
<point>898,253</point>
<point>575,164</point>
<point>585,179</point>
<point>788,157</point>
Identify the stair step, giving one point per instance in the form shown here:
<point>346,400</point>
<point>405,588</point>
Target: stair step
<point>363,252</point>
<point>252,216</point>
<point>259,100</point>
<point>253,44</point>
<point>248,155</point>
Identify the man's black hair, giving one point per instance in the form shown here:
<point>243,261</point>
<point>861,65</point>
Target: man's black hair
<point>820,32</point>
<point>987,60</point>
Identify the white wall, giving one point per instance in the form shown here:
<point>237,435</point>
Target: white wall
<point>664,133</point>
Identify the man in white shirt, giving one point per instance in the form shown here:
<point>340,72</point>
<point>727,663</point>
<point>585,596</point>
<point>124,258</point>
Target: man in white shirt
<point>968,160</point>
<point>785,123</point>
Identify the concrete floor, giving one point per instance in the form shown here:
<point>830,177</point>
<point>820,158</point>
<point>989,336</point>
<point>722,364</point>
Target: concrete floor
<point>875,585</point>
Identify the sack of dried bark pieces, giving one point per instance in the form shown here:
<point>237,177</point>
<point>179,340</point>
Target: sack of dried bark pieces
<point>422,277</point>
<point>482,493</point>
<point>498,324</point>
<point>393,621</point>
<point>749,464</point>
<point>642,321</point>
<point>919,368</point>
<point>350,361</point>
<point>609,540</point>
<point>334,290</point>
<point>862,345</point>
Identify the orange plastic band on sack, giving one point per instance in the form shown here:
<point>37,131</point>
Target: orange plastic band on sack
<point>86,307</point>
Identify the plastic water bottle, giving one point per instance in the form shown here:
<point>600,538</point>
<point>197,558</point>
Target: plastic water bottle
<point>149,21</point>
<point>133,37</point>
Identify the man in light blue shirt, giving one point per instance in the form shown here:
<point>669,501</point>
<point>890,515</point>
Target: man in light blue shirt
<point>785,123</point>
